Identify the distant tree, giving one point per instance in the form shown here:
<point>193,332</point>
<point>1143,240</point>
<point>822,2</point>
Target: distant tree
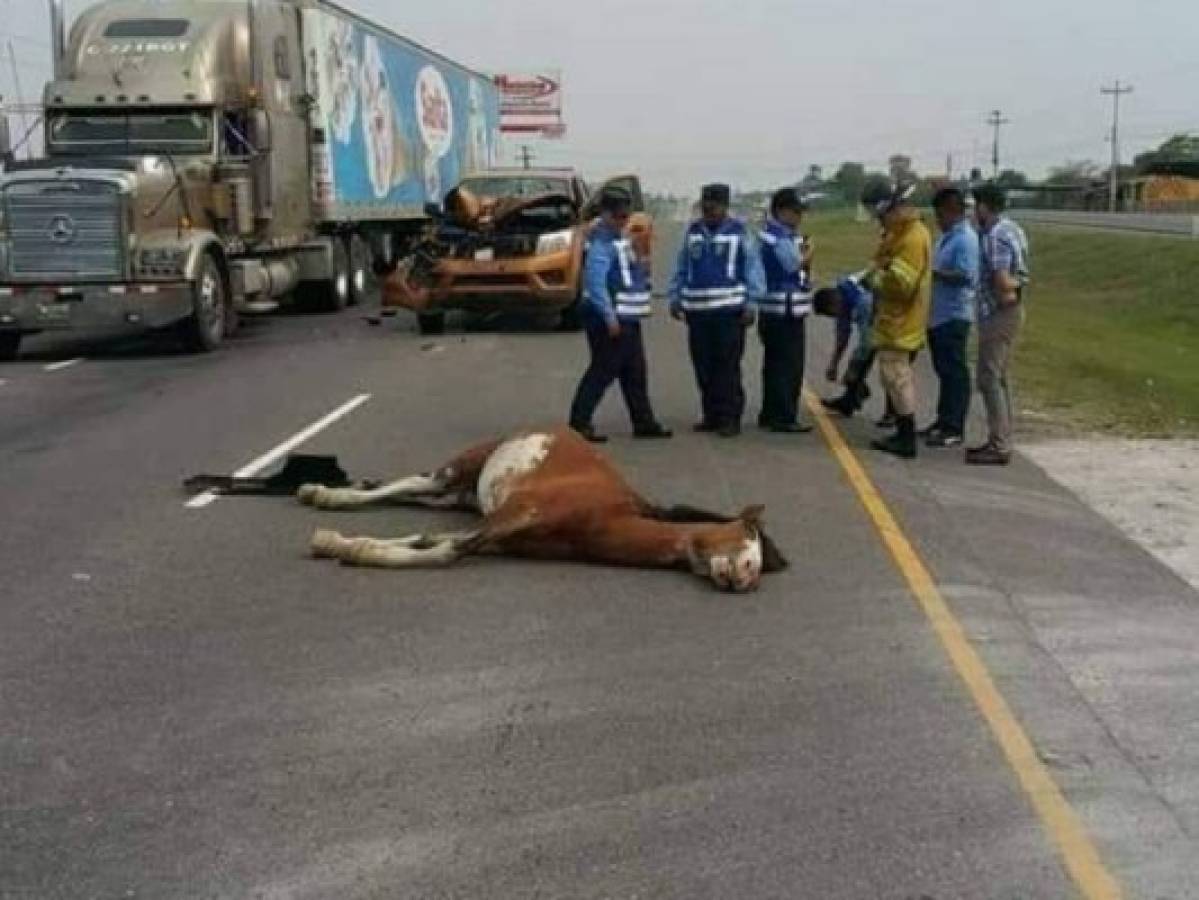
<point>1075,173</point>
<point>1010,179</point>
<point>813,181</point>
<point>1177,156</point>
<point>849,180</point>
<point>873,179</point>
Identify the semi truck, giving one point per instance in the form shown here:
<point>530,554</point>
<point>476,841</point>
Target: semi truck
<point>206,159</point>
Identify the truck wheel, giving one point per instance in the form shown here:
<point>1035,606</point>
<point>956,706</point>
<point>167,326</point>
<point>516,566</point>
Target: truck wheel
<point>431,323</point>
<point>362,275</point>
<point>203,331</point>
<point>10,345</point>
<point>337,288</point>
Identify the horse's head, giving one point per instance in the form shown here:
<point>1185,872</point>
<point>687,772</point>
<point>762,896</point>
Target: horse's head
<point>735,555</point>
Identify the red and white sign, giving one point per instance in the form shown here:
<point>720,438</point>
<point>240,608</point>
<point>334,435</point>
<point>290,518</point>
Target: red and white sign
<point>531,103</point>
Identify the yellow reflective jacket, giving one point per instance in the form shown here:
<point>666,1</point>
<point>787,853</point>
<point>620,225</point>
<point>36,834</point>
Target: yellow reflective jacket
<point>902,282</point>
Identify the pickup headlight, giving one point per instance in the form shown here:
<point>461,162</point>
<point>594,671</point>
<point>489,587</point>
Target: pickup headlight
<point>162,261</point>
<point>555,242</point>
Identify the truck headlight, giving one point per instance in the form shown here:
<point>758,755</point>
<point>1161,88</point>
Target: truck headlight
<point>555,242</point>
<point>162,261</point>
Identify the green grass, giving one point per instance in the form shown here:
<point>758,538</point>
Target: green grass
<point>1112,341</point>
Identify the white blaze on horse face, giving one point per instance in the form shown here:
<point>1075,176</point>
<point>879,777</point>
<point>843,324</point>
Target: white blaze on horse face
<point>740,570</point>
<point>507,464</point>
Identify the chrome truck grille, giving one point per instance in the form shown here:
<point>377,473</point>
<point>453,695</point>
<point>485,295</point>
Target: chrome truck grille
<point>65,230</point>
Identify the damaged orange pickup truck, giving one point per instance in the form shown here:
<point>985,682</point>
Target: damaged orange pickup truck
<point>508,240</point>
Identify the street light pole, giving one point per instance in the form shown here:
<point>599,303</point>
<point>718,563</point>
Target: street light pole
<point>996,121</point>
<point>1115,93</point>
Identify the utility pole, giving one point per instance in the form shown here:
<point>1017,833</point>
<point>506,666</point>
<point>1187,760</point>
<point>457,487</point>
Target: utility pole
<point>526,156</point>
<point>1116,93</point>
<point>996,121</point>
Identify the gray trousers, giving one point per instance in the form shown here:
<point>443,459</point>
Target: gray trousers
<point>996,338</point>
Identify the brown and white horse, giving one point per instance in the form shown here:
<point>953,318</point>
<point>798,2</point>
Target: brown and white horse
<point>551,495</point>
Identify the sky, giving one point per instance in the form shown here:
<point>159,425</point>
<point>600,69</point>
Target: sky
<point>754,91</point>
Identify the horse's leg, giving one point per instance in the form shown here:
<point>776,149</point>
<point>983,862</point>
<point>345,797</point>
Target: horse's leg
<point>416,551</point>
<point>450,487</point>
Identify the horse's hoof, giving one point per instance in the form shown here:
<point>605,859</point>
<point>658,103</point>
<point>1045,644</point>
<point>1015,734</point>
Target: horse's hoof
<point>307,494</point>
<point>327,544</point>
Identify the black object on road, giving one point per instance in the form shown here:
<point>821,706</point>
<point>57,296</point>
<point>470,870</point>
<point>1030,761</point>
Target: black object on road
<point>297,471</point>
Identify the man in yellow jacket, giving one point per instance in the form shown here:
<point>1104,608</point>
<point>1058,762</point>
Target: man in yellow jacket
<point>901,280</point>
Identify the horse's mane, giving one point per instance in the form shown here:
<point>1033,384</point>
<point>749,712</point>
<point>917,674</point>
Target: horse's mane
<point>773,560</point>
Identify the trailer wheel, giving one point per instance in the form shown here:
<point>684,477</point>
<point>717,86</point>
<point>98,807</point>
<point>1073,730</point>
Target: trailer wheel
<point>362,275</point>
<point>331,294</point>
<point>205,328</point>
<point>10,345</point>
<point>431,323</point>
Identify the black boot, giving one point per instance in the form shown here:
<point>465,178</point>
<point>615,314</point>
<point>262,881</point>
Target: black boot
<point>903,442</point>
<point>845,405</point>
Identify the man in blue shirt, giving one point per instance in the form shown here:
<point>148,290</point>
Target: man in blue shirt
<point>955,284</point>
<point>852,306</point>
<point>616,298</point>
<point>1003,275</point>
<point>782,323</point>
<point>717,285</point>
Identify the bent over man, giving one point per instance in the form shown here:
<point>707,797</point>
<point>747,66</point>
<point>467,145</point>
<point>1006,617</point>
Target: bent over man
<point>616,298</point>
<point>717,284</point>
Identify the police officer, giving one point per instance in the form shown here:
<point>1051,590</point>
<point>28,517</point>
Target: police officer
<point>717,285</point>
<point>616,299</point>
<point>783,313</point>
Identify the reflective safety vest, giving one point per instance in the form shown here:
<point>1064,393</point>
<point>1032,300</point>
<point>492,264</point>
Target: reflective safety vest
<point>715,274</point>
<point>787,293</point>
<point>628,282</point>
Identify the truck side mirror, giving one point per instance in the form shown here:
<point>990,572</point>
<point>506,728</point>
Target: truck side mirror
<point>260,130</point>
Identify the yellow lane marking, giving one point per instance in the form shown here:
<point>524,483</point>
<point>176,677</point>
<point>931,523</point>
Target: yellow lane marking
<point>1078,853</point>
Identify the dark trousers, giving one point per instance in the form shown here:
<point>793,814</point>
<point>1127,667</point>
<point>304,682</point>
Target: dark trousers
<point>947,343</point>
<point>614,359</point>
<point>717,342</point>
<point>784,348</point>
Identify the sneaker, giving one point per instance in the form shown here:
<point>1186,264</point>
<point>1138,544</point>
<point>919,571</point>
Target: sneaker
<point>930,430</point>
<point>987,455</point>
<point>941,438</point>
<point>588,433</point>
<point>653,431</point>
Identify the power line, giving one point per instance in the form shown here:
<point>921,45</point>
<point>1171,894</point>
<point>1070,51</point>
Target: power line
<point>996,121</point>
<point>1115,92</point>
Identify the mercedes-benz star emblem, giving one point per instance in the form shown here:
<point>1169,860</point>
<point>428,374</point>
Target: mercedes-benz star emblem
<point>62,229</point>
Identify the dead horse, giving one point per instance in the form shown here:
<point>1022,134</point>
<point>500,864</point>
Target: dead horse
<point>548,494</point>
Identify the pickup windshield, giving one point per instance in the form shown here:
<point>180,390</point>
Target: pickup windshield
<point>131,133</point>
<point>501,187</point>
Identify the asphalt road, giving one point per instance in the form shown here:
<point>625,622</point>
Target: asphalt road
<point>189,707</point>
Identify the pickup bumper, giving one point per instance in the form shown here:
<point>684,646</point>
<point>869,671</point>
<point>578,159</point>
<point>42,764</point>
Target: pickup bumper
<point>93,307</point>
<point>532,284</point>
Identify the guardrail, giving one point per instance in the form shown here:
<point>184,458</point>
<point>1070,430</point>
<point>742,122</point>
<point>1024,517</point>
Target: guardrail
<point>1179,225</point>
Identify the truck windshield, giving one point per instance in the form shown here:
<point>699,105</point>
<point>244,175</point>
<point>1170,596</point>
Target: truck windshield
<point>131,133</point>
<point>499,187</point>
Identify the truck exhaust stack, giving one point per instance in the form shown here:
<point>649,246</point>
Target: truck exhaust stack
<point>58,37</point>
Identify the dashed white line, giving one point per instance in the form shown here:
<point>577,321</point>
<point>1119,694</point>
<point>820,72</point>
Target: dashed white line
<point>250,470</point>
<point>65,364</point>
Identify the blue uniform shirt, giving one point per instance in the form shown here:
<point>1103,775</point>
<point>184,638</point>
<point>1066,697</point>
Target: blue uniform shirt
<point>788,291</point>
<point>957,251</point>
<point>717,269</point>
<point>615,282</point>
<point>856,314</point>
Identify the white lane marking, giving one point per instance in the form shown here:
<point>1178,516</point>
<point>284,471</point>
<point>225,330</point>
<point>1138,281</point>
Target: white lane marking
<point>249,471</point>
<point>65,364</point>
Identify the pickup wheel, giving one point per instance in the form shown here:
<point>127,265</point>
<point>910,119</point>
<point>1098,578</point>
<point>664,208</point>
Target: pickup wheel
<point>431,323</point>
<point>203,331</point>
<point>10,345</point>
<point>361,271</point>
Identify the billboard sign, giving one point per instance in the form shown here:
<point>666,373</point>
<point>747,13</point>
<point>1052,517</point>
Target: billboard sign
<point>531,103</point>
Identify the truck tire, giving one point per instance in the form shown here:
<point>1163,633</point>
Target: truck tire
<point>362,275</point>
<point>431,323</point>
<point>332,294</point>
<point>10,345</point>
<point>205,329</point>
